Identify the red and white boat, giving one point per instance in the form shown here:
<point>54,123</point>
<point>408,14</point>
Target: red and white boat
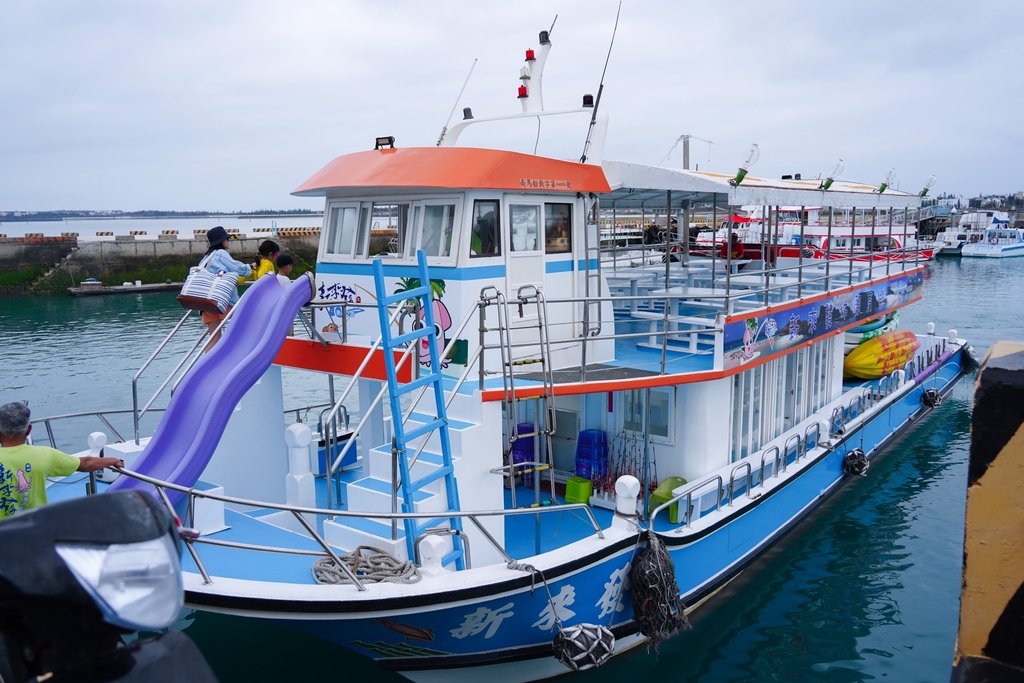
<point>813,232</point>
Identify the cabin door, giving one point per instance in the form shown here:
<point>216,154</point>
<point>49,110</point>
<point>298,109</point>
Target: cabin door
<point>525,245</point>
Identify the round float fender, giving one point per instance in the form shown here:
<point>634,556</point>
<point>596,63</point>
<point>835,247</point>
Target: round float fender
<point>855,462</point>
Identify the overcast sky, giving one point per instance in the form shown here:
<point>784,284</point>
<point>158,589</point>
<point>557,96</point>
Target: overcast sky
<point>230,105</point>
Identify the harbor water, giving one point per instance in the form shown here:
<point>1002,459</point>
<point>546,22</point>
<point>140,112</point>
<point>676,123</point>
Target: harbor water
<point>867,590</point>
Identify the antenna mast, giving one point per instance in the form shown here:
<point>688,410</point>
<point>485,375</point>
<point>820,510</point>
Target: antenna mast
<point>444,129</point>
<point>600,88</point>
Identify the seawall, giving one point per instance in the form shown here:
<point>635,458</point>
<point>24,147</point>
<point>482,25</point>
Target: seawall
<point>990,643</point>
<point>37,264</point>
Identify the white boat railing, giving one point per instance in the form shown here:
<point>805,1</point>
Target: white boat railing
<point>772,463</point>
<point>191,538</point>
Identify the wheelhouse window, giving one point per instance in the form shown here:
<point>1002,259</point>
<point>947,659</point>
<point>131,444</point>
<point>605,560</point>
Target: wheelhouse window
<point>486,238</point>
<point>437,229</point>
<point>525,230</point>
<point>390,230</point>
<point>345,229</point>
<point>557,228</point>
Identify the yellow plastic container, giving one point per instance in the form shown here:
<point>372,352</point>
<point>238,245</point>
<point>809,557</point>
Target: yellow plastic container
<point>578,490</point>
<point>663,494</point>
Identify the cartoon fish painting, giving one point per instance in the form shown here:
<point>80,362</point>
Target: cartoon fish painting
<point>410,632</point>
<point>332,327</point>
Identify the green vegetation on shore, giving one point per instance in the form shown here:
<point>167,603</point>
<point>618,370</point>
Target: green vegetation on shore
<point>32,280</point>
<point>60,215</point>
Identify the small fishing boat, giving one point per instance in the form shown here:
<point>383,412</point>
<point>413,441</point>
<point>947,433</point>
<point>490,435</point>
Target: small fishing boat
<point>997,242</point>
<point>528,458</point>
<point>969,230</point>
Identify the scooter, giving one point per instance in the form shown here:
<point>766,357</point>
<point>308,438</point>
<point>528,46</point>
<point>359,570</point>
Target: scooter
<point>77,575</point>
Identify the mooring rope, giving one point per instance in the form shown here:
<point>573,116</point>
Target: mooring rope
<point>369,564</point>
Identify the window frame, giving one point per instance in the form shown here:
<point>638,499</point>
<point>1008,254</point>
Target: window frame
<point>537,208</point>
<point>471,228</point>
<point>548,237</point>
<point>420,222</point>
<point>410,222</point>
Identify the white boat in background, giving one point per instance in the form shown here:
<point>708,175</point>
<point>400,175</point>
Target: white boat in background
<point>574,455</point>
<point>970,229</point>
<point>997,242</point>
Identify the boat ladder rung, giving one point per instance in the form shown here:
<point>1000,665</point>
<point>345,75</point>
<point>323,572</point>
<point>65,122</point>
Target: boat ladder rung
<point>439,424</point>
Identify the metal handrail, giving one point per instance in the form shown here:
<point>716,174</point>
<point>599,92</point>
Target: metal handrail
<point>732,481</point>
<point>135,379</point>
<point>775,468</point>
<point>813,427</point>
<point>299,511</point>
<point>688,495</point>
<point>798,451</point>
<point>101,415</point>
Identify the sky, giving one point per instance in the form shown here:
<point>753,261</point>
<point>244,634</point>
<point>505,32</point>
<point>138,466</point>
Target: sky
<point>229,105</point>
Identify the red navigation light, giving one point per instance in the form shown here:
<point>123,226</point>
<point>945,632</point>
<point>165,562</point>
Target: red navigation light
<point>522,91</point>
<point>529,56</point>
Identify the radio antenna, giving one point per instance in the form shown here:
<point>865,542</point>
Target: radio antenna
<point>600,88</point>
<point>444,129</point>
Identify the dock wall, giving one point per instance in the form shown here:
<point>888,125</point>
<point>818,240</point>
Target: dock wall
<point>31,261</point>
<point>990,643</point>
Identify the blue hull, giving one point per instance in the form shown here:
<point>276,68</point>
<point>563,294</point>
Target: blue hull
<point>511,620</point>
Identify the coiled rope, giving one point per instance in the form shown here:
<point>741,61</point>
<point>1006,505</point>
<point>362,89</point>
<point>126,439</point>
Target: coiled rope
<point>369,564</point>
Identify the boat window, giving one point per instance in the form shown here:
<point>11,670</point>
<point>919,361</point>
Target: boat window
<point>557,228</point>
<point>634,415</point>
<point>525,227</point>
<point>486,239</point>
<point>341,230</point>
<point>436,232</point>
<point>389,230</point>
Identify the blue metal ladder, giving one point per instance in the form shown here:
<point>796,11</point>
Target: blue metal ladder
<point>414,528</point>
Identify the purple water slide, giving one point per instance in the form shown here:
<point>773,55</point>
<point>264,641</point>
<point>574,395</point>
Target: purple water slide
<point>198,412</point>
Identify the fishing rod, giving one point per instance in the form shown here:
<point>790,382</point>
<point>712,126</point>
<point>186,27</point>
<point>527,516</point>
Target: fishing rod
<point>600,87</point>
<point>444,129</point>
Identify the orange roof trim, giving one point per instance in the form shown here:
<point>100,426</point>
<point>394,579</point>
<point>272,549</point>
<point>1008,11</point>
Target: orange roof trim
<point>453,168</point>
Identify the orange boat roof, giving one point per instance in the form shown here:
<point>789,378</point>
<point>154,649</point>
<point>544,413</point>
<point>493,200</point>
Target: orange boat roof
<point>452,167</point>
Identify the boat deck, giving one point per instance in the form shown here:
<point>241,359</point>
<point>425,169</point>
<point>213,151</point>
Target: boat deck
<point>556,528</point>
<point>699,297</point>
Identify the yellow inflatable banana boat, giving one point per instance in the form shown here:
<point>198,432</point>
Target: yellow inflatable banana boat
<point>878,356</point>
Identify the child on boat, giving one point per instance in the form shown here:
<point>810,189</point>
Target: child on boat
<point>284,269</point>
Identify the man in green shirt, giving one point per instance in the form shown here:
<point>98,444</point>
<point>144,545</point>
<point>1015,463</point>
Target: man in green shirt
<point>24,468</point>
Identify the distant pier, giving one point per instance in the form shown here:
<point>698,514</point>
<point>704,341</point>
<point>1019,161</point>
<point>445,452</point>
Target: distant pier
<point>112,259</point>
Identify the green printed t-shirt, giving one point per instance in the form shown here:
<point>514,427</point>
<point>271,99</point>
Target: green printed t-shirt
<point>23,473</point>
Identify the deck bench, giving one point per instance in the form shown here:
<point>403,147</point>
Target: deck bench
<point>680,325</point>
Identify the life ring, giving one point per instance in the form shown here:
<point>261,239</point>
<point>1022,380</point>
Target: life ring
<point>993,240</point>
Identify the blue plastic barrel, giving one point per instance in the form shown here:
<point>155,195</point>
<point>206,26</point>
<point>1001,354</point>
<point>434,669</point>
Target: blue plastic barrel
<point>592,454</point>
<point>522,451</point>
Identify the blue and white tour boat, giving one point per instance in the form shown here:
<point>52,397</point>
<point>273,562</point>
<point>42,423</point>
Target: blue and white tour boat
<point>528,456</point>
